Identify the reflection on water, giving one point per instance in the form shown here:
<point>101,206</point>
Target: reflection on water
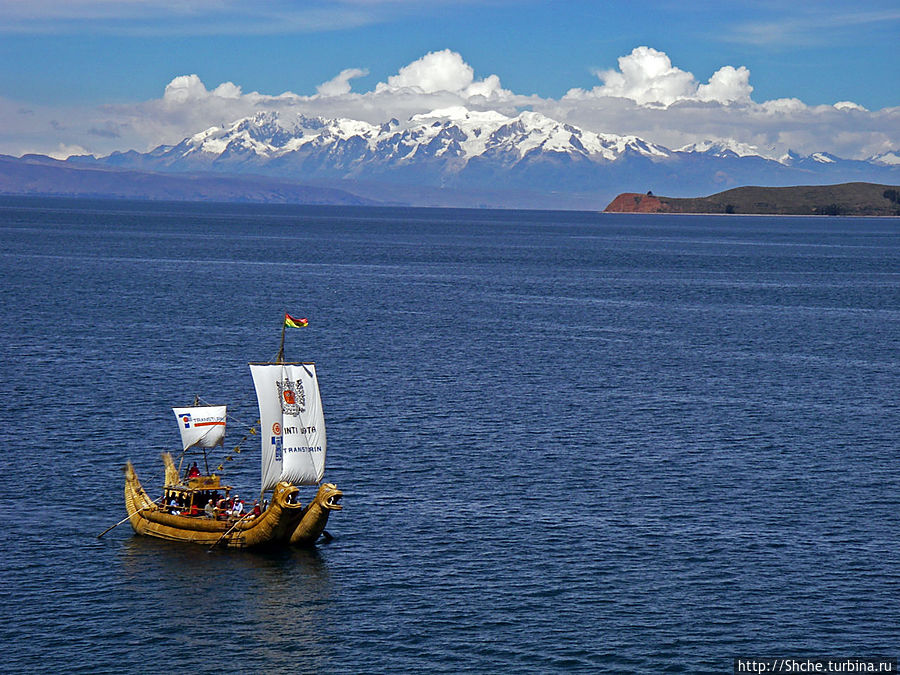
<point>275,602</point>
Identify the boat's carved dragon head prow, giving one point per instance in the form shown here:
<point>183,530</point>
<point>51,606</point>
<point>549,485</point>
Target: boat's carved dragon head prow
<point>315,515</point>
<point>329,497</point>
<point>283,495</point>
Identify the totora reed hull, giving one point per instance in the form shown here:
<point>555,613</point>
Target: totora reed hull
<point>283,523</point>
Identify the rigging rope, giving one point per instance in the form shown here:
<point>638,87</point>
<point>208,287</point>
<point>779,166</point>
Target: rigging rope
<point>251,431</point>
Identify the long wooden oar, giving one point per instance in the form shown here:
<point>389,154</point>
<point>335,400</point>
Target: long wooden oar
<point>228,531</point>
<point>126,518</point>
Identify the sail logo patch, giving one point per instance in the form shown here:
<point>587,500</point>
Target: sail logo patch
<point>276,443</point>
<point>186,418</point>
<point>292,397</point>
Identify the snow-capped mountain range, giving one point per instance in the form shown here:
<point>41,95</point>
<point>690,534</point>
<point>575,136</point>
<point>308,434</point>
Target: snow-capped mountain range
<point>453,135</point>
<point>464,151</point>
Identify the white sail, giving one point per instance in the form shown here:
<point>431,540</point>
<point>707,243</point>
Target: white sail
<point>292,423</point>
<point>201,426</point>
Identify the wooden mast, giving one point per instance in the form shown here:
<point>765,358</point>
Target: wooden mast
<point>280,357</point>
<point>205,460</point>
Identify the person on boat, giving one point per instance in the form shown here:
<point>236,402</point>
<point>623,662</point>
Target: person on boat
<point>221,507</point>
<point>173,507</point>
<point>210,509</point>
<point>238,507</point>
<point>256,510</point>
<point>194,471</point>
<point>194,510</point>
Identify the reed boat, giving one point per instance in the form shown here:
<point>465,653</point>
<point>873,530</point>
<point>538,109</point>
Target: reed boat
<point>192,505</point>
<point>284,522</point>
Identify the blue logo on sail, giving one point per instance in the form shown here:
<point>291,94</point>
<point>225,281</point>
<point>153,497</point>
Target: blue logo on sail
<point>186,418</point>
<point>276,443</point>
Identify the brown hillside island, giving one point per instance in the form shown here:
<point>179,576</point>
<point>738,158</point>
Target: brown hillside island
<point>846,199</point>
<point>632,202</point>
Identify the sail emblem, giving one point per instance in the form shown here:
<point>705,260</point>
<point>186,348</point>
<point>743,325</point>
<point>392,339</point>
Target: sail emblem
<point>293,398</point>
<point>276,444</point>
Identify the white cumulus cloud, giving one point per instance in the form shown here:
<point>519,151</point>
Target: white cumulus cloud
<point>784,106</point>
<point>647,77</point>
<point>227,90</point>
<point>443,71</point>
<point>436,71</point>
<point>727,85</point>
<point>340,84</point>
<point>849,105</point>
<point>64,151</point>
<point>185,88</point>
<point>190,89</point>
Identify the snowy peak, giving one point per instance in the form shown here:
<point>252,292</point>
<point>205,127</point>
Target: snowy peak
<point>824,158</point>
<point>729,148</point>
<point>891,158</point>
<point>528,134</point>
<point>269,134</point>
<point>450,132</point>
<point>531,132</point>
<point>458,114</point>
<point>725,148</point>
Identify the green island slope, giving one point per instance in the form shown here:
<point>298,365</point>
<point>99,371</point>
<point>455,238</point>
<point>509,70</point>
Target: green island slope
<point>846,199</point>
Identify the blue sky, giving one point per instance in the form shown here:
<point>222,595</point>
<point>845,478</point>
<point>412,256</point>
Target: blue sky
<point>78,56</point>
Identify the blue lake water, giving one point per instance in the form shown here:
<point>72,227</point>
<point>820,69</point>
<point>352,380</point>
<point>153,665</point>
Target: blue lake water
<point>568,442</point>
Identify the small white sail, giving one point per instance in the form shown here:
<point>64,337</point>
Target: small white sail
<point>292,423</point>
<point>201,426</point>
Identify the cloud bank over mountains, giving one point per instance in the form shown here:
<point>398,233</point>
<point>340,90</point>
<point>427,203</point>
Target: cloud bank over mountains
<point>645,95</point>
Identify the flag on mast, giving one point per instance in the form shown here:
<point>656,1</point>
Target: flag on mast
<point>292,322</point>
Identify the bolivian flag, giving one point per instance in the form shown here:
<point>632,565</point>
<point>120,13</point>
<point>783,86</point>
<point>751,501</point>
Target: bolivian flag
<point>291,322</point>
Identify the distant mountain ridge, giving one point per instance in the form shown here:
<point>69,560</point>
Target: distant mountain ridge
<point>460,157</point>
<point>38,175</point>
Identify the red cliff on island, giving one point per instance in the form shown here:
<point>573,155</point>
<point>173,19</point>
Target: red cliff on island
<point>633,202</point>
